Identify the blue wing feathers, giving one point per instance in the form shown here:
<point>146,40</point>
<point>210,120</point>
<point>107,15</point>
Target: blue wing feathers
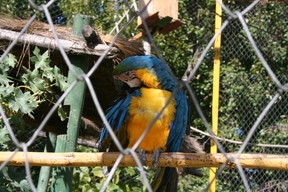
<point>178,126</point>
<point>118,113</point>
<point>177,132</point>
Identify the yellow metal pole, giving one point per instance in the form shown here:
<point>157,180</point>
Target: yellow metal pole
<point>215,93</point>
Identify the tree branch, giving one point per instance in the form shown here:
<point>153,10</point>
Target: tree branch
<point>239,142</point>
<point>258,161</point>
<point>190,65</point>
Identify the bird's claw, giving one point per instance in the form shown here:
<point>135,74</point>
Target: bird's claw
<point>142,155</point>
<point>155,158</point>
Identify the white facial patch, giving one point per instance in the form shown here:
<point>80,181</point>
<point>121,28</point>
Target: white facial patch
<point>134,82</point>
<point>130,78</point>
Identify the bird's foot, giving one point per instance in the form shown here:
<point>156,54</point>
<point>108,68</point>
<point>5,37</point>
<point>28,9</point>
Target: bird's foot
<point>156,155</point>
<point>142,155</point>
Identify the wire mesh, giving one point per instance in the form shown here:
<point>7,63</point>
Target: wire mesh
<point>247,106</point>
<point>253,103</point>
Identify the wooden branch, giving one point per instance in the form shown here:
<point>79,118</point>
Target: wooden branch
<point>239,142</point>
<point>75,47</point>
<point>259,161</point>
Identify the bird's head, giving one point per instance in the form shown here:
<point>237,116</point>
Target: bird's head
<point>144,70</point>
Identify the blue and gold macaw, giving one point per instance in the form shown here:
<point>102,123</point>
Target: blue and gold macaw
<point>131,115</point>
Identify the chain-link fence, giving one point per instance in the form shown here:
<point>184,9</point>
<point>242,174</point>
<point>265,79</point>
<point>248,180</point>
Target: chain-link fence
<point>253,94</point>
<point>253,89</point>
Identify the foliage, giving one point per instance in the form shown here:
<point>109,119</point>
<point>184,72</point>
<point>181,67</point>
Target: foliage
<point>22,96</point>
<point>103,20</point>
<point>11,178</point>
<point>179,46</point>
<point>36,84</point>
<point>13,97</point>
<point>193,183</point>
<point>91,178</point>
<point>246,89</point>
<point>22,10</point>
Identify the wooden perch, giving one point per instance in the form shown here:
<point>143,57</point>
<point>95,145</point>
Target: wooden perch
<point>258,161</point>
<point>76,47</point>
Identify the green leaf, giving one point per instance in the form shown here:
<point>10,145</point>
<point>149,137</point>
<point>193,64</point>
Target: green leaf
<point>5,173</point>
<point>61,113</point>
<point>4,135</point>
<point>40,61</point>
<point>48,73</point>
<point>84,169</point>
<point>62,83</point>
<point>10,60</point>
<point>4,80</point>
<point>34,75</point>
<point>4,138</point>
<point>29,76</point>
<point>23,102</point>
<point>61,80</point>
<point>37,84</point>
<point>24,185</point>
<point>130,171</point>
<point>97,171</point>
<point>15,178</point>
<point>5,91</point>
<point>116,177</point>
<point>33,80</point>
<point>113,187</point>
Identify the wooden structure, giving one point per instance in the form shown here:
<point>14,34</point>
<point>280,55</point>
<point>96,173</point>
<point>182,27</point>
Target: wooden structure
<point>39,34</point>
<point>161,16</point>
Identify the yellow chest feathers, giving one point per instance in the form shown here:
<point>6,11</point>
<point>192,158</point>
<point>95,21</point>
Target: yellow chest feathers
<point>143,110</point>
<point>148,78</point>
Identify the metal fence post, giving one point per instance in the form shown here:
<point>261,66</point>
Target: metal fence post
<point>45,171</point>
<point>215,94</point>
<point>62,176</point>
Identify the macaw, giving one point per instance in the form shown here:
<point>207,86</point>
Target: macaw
<point>130,115</point>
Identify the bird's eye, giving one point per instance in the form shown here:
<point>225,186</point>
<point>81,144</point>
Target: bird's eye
<point>127,73</point>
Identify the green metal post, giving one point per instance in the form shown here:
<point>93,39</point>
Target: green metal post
<point>62,176</point>
<point>45,171</point>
